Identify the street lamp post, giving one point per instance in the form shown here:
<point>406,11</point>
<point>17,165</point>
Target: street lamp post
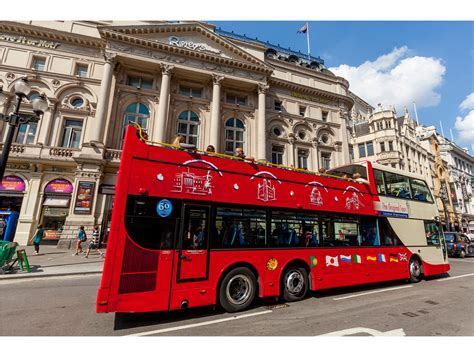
<point>22,90</point>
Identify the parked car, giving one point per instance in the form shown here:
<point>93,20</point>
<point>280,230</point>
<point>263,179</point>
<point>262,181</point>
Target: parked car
<point>458,244</point>
<point>471,237</point>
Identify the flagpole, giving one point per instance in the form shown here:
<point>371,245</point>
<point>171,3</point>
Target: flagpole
<point>307,38</point>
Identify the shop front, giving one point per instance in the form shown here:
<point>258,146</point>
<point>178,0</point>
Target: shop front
<point>55,208</point>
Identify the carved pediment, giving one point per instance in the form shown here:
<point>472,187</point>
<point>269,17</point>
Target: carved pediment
<point>191,39</point>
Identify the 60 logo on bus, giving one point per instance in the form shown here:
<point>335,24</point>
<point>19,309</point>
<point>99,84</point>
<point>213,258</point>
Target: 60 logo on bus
<point>164,208</point>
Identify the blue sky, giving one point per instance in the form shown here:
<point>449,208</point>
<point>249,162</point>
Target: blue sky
<point>430,63</point>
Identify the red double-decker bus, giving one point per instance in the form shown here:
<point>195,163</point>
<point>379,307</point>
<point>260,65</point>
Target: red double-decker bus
<point>192,229</point>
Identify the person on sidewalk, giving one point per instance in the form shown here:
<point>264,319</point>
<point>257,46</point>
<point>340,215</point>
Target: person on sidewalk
<point>38,237</point>
<point>94,244</point>
<point>81,238</point>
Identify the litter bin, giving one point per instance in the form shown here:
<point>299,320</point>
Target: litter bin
<point>11,220</point>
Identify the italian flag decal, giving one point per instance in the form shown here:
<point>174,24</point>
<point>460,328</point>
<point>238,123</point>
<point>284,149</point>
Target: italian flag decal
<point>357,259</point>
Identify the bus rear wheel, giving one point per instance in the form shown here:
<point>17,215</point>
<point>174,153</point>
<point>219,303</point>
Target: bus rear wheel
<point>238,290</point>
<point>415,270</point>
<point>294,284</point>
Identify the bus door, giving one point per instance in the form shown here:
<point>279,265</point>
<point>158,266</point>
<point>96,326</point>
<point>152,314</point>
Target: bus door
<point>193,255</point>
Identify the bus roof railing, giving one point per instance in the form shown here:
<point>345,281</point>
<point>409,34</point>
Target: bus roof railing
<point>146,140</point>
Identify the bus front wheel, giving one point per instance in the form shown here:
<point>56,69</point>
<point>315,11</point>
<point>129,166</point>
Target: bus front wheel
<point>294,284</point>
<point>238,289</point>
<point>415,270</point>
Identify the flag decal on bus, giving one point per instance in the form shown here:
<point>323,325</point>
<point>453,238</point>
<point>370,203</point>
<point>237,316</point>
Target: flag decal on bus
<point>393,260</point>
<point>332,261</point>
<point>346,258</point>
<point>381,258</point>
<point>371,258</point>
<point>403,256</point>
<point>357,259</point>
<point>313,261</point>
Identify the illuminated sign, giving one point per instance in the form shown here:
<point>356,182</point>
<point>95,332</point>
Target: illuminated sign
<point>12,183</point>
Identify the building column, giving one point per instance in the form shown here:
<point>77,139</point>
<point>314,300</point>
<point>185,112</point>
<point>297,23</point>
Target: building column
<point>100,118</point>
<point>159,128</point>
<point>261,123</point>
<point>31,203</point>
<point>291,151</point>
<point>314,155</point>
<point>345,158</point>
<point>46,129</point>
<point>214,137</point>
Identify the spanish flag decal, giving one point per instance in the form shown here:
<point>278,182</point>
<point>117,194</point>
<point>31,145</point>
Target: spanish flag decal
<point>371,258</point>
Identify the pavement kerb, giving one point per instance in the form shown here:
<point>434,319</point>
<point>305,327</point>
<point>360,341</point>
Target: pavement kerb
<point>27,276</point>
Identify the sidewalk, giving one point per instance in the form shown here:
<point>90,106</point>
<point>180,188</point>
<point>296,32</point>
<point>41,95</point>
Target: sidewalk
<point>52,261</point>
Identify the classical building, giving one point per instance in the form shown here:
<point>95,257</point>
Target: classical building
<point>430,141</point>
<point>213,87</point>
<point>461,177</point>
<point>385,138</point>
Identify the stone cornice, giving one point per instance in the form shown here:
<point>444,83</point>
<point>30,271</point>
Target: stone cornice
<point>53,35</point>
<point>289,67</point>
<point>131,34</point>
<point>311,91</point>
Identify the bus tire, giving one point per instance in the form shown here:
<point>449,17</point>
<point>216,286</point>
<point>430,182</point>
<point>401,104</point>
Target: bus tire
<point>294,284</point>
<point>237,290</point>
<point>415,269</point>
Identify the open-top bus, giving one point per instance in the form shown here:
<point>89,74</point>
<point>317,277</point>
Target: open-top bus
<point>191,229</point>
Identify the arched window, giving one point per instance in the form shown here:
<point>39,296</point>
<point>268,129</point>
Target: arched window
<point>188,124</point>
<point>138,113</point>
<point>234,135</point>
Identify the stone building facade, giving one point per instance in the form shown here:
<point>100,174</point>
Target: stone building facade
<point>460,166</point>
<point>212,86</point>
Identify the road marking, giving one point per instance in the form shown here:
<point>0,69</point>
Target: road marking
<point>454,277</point>
<point>371,292</point>
<point>373,332</point>
<point>6,281</point>
<point>166,330</point>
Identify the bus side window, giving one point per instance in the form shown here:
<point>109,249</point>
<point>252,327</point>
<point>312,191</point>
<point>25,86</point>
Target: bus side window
<point>387,234</point>
<point>239,228</point>
<point>379,182</point>
<point>431,233</point>
<point>369,231</point>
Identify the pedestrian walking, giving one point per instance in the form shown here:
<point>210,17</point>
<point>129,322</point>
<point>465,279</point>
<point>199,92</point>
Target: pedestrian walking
<point>94,244</point>
<point>81,238</point>
<point>38,237</point>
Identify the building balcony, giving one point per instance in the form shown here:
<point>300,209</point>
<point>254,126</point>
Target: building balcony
<point>39,153</point>
<point>390,156</point>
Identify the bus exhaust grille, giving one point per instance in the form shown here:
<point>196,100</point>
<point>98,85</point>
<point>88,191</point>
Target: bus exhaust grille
<point>139,269</point>
<point>136,259</point>
<point>137,283</point>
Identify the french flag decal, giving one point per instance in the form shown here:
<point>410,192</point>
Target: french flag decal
<point>381,258</point>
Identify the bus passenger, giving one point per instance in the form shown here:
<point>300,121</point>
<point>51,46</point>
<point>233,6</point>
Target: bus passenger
<point>357,177</point>
<point>210,149</point>
<point>239,152</point>
<point>178,140</point>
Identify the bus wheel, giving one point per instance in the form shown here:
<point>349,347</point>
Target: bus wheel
<point>238,289</point>
<point>415,270</point>
<point>294,284</point>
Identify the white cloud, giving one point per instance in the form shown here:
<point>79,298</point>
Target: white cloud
<point>396,79</point>
<point>465,127</point>
<point>468,103</point>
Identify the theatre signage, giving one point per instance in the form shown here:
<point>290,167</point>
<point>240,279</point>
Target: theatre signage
<point>188,44</point>
<point>29,42</point>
